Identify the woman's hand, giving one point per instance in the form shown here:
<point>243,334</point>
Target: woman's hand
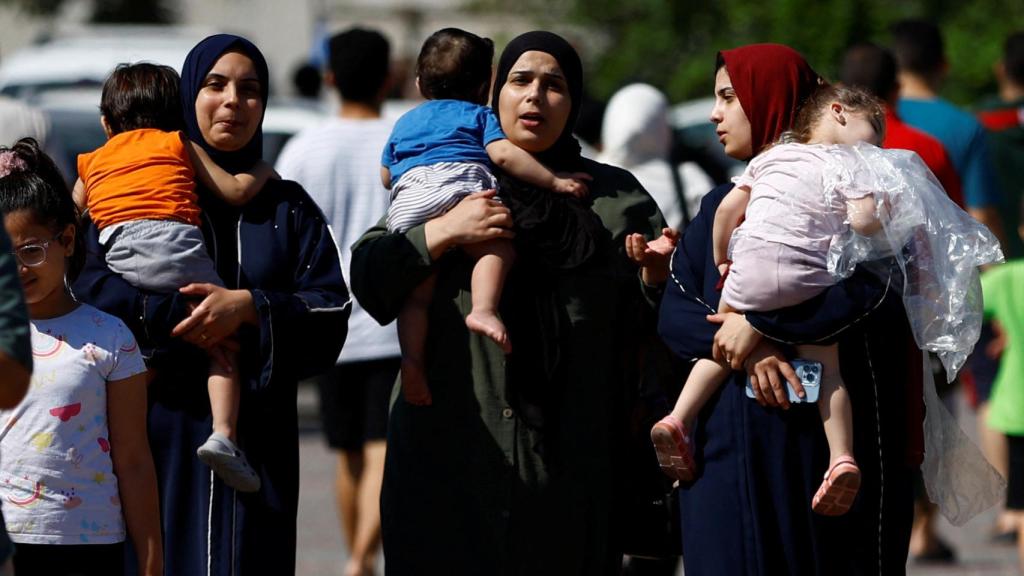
<point>653,257</point>
<point>217,316</point>
<point>476,218</point>
<point>734,340</point>
<point>769,372</point>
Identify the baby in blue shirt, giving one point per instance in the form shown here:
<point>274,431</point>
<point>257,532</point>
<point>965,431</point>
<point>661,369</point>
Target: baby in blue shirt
<point>439,153</point>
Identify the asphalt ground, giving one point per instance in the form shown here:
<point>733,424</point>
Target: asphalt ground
<point>321,550</point>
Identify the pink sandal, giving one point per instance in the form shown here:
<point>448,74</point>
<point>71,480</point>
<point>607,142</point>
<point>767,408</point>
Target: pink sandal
<point>838,490</point>
<point>672,443</point>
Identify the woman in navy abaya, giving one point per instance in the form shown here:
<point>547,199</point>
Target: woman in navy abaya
<point>748,510</point>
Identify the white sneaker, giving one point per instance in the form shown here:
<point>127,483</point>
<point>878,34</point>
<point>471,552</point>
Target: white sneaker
<point>228,462</point>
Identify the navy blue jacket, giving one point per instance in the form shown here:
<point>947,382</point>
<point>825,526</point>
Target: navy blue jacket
<point>748,511</point>
<point>280,248</point>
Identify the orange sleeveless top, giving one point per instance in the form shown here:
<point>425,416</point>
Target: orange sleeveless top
<point>143,174</point>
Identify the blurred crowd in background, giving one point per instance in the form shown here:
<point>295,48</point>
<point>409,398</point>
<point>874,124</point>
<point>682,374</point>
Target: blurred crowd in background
<point>646,107</point>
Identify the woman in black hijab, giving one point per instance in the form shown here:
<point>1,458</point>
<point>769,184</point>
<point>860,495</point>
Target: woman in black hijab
<point>285,303</point>
<point>510,470</point>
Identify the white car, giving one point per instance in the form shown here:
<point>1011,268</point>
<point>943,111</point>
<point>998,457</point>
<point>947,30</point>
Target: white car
<point>86,56</point>
<point>695,140</point>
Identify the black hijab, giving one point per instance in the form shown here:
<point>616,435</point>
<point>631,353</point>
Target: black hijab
<point>193,72</point>
<point>553,228</point>
<point>553,231</point>
<point>564,154</point>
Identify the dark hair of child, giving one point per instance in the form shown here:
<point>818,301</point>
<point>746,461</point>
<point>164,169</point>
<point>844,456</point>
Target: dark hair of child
<point>36,185</point>
<point>142,95</point>
<point>456,65</point>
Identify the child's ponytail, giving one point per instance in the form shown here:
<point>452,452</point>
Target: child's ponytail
<point>29,180</point>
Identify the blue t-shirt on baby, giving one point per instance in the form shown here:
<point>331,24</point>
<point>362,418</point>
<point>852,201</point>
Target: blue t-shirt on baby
<point>440,131</point>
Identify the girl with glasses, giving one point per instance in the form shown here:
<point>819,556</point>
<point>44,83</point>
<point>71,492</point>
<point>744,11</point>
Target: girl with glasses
<point>77,475</point>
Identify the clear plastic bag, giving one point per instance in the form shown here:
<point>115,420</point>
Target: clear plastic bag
<point>938,246</point>
<point>957,476</point>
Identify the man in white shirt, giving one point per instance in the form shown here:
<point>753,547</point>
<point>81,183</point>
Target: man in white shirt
<point>338,163</point>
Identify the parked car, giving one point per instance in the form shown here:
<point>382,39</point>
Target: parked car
<point>695,140</point>
<point>74,118</point>
<point>74,115</point>
<point>84,57</point>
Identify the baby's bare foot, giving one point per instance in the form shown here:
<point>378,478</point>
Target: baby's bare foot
<point>414,384</point>
<point>488,324</point>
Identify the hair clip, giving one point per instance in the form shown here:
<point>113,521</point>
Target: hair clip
<point>11,163</point>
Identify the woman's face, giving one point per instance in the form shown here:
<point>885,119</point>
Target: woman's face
<point>732,124</point>
<point>534,102</point>
<point>229,107</point>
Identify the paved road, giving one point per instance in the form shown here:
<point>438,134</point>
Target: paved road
<point>977,554</point>
<point>321,552</point>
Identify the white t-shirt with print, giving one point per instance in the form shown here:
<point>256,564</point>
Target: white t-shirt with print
<point>57,480</point>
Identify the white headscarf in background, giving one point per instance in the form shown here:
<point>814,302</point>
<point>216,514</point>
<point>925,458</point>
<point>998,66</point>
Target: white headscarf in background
<point>19,120</point>
<point>635,135</point>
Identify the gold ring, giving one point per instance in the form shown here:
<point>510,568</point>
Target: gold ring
<point>203,337</point>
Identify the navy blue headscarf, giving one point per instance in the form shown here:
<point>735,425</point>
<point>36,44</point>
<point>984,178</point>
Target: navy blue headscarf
<point>564,154</point>
<point>193,72</point>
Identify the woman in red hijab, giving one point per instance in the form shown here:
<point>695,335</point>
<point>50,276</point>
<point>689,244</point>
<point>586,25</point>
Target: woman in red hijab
<point>748,511</point>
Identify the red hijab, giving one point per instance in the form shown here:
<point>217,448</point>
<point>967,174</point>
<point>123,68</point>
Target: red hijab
<point>771,81</point>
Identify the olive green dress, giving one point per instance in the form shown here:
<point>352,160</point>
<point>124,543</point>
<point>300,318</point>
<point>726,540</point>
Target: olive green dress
<point>512,469</point>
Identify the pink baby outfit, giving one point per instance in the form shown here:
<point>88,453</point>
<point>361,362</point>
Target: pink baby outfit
<point>797,207</point>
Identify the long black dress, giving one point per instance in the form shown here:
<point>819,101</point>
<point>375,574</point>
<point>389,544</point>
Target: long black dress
<point>511,471</point>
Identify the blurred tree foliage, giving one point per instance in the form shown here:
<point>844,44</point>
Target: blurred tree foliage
<point>106,11</point>
<point>672,44</point>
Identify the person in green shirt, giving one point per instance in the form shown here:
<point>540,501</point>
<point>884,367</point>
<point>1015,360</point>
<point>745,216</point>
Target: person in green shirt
<point>513,469</point>
<point>1001,289</point>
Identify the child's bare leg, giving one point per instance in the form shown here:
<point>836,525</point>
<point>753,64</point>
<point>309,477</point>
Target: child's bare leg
<point>704,379</point>
<point>220,451</point>
<point>223,386</point>
<point>493,260</point>
<point>412,338</point>
<point>671,435</point>
<point>833,401</point>
<point>839,489</point>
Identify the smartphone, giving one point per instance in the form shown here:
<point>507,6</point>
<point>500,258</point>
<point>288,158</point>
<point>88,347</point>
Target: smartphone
<point>809,373</point>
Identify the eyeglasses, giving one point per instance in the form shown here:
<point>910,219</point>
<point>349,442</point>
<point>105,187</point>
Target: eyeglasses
<point>33,255</point>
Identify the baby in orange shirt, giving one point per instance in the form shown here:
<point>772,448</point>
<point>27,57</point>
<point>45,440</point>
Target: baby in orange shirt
<point>139,190</point>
